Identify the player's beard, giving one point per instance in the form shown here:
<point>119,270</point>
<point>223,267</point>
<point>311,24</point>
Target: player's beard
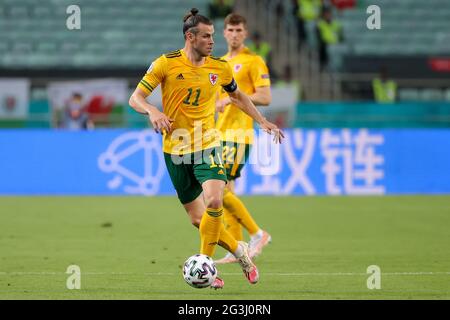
<point>204,53</point>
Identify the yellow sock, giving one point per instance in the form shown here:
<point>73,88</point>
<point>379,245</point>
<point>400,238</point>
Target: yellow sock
<point>232,225</point>
<point>210,226</point>
<point>237,209</point>
<point>227,241</point>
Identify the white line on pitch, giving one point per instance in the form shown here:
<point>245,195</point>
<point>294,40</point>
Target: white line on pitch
<point>293,274</point>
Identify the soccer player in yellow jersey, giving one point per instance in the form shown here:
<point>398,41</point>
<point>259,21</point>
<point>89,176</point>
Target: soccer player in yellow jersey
<point>190,79</point>
<point>252,76</point>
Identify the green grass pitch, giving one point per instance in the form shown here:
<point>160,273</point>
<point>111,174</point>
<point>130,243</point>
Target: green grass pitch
<point>133,248</point>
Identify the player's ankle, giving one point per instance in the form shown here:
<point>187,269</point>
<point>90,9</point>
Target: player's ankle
<point>258,234</point>
<point>239,251</point>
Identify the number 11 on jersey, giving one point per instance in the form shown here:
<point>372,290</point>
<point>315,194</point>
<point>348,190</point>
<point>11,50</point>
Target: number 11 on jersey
<point>188,98</point>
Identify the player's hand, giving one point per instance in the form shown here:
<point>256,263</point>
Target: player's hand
<point>160,122</point>
<point>271,128</point>
<point>220,105</point>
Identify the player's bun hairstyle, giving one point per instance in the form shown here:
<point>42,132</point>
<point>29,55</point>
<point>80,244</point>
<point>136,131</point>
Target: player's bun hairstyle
<point>191,21</point>
<point>234,19</point>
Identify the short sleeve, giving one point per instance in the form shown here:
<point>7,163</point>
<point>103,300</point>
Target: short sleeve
<point>228,82</point>
<point>259,73</point>
<point>154,76</point>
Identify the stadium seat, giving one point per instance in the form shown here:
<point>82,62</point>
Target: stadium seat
<point>38,94</point>
<point>41,30</point>
<point>447,95</point>
<point>104,22</point>
<point>69,47</point>
<point>22,47</point>
<point>18,12</point>
<point>3,47</point>
<point>42,12</point>
<point>47,47</point>
<point>409,94</point>
<point>432,95</point>
<point>428,19</point>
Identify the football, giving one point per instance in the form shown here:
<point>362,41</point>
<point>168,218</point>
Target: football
<point>199,271</point>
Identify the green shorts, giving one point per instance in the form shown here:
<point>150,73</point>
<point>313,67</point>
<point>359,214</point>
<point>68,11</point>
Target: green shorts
<point>234,156</point>
<point>189,171</point>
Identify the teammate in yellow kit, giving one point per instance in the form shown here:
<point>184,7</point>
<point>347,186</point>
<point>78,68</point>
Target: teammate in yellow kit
<point>252,77</point>
<point>191,79</point>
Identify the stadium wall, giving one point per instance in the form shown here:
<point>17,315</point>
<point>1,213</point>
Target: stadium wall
<point>309,162</point>
<point>304,115</point>
<point>373,115</point>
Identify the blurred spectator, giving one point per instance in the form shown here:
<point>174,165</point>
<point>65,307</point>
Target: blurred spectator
<point>329,32</point>
<point>75,115</point>
<point>305,11</point>
<point>384,89</point>
<point>279,14</point>
<point>220,8</point>
<point>261,48</point>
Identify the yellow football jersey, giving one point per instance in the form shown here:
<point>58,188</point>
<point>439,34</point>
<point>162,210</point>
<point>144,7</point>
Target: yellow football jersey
<point>249,71</point>
<point>188,96</point>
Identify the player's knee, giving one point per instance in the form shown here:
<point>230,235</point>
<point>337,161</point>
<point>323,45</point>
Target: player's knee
<point>195,217</point>
<point>214,202</point>
<point>196,224</point>
<point>196,221</point>
<point>230,186</point>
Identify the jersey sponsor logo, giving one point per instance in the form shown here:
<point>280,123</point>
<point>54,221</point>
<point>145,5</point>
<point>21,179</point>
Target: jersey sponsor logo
<point>265,76</point>
<point>213,78</point>
<point>237,67</point>
<point>180,77</point>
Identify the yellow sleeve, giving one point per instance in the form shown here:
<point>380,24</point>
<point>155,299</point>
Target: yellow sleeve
<point>259,73</point>
<point>227,75</point>
<point>154,76</point>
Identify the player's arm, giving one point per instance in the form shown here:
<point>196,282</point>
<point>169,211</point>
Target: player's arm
<point>261,97</point>
<point>259,75</point>
<point>159,120</point>
<point>153,77</point>
<point>242,101</point>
